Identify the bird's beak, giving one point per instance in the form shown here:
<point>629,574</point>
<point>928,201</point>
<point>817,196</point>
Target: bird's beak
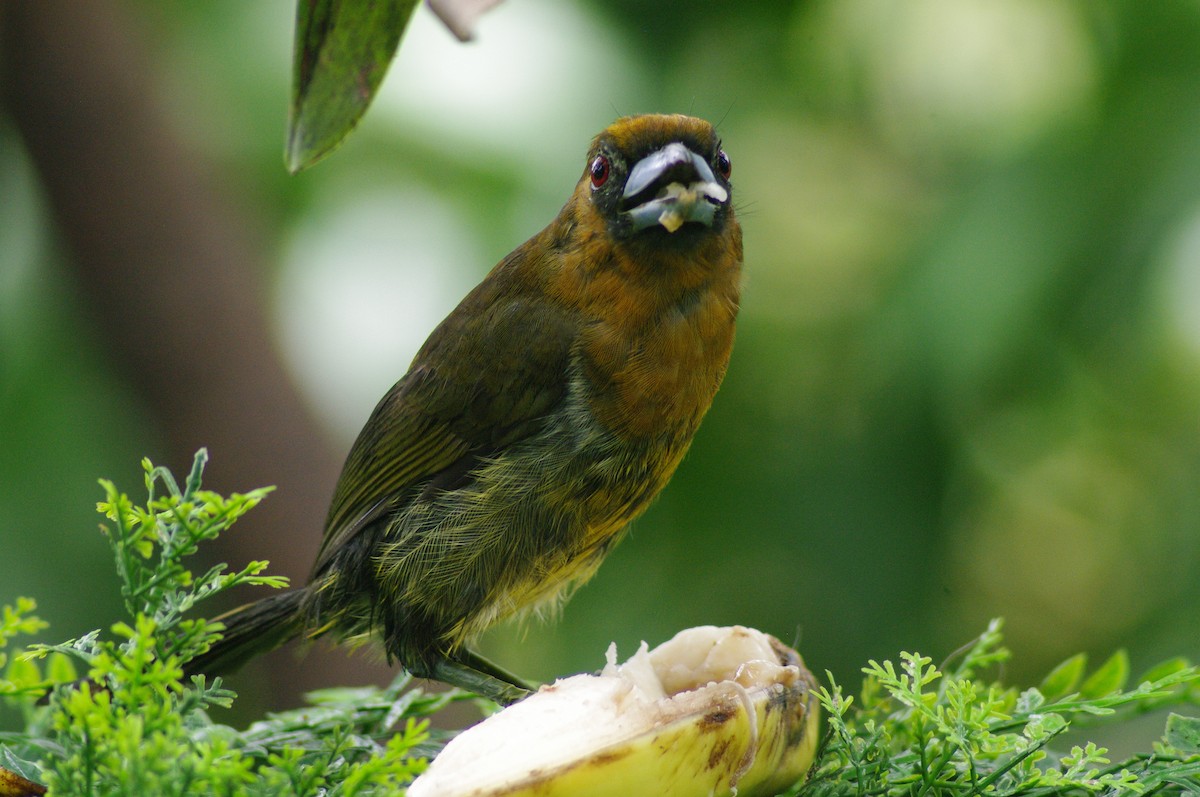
<point>671,187</point>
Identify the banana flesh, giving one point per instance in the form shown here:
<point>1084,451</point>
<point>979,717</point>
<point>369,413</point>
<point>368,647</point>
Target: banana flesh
<point>714,711</point>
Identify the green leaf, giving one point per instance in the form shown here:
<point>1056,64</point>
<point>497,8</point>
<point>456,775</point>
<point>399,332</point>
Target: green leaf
<point>1044,726</point>
<point>1164,669</point>
<point>1030,701</point>
<point>60,669</point>
<point>1183,733</point>
<point>22,672</point>
<point>342,51</point>
<point>1063,679</point>
<point>1110,677</point>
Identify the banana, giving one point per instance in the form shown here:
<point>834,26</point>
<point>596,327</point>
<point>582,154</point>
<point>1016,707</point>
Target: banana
<point>711,712</point>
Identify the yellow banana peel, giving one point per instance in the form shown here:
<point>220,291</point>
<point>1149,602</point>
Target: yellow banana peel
<point>714,711</point>
<point>14,785</point>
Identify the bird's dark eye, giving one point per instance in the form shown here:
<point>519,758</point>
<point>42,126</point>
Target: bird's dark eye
<point>723,164</point>
<point>599,171</point>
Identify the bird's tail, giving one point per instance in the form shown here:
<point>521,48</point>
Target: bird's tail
<point>251,630</point>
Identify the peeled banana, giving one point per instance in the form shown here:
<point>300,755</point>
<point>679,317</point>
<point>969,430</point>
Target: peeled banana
<point>713,711</point>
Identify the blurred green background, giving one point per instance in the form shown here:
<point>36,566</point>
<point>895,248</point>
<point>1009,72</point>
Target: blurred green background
<point>967,376</point>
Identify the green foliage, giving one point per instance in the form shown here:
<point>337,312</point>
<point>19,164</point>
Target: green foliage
<point>21,677</point>
<point>134,728</point>
<point>917,729</point>
<point>343,49</point>
<point>150,544</point>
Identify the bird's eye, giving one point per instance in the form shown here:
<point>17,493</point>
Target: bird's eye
<point>599,171</point>
<point>723,164</point>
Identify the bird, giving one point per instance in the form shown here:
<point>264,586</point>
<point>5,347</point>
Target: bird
<point>540,418</point>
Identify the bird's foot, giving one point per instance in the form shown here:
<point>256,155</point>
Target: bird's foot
<point>471,672</point>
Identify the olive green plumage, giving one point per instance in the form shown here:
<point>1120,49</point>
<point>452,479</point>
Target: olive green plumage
<point>537,421</point>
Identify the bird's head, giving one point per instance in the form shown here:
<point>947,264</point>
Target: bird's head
<point>662,178</point>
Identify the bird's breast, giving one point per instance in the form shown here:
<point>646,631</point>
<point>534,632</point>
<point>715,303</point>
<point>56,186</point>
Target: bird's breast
<point>654,376</point>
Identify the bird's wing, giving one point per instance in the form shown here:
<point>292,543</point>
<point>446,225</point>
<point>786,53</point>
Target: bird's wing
<point>486,378</point>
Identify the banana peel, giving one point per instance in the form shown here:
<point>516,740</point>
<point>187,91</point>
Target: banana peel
<point>14,785</point>
<point>713,711</point>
